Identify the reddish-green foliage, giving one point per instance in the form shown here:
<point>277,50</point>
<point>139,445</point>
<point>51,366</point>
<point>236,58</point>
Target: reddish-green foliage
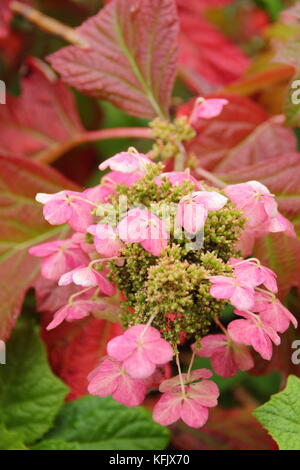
<point>145,59</point>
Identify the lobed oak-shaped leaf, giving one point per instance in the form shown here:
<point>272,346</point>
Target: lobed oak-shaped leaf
<point>42,119</point>
<point>281,415</point>
<point>21,226</point>
<point>207,58</point>
<point>103,424</point>
<point>10,440</point>
<point>30,394</point>
<point>131,59</point>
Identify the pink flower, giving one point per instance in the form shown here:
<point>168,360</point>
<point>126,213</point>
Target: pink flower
<point>111,378</point>
<point>170,384</point>
<point>255,200</point>
<point>281,224</point>
<point>255,332</point>
<point>75,311</point>
<point>50,297</point>
<point>246,242</point>
<point>274,225</point>
<point>98,194</point>
<point>190,406</point>
<point>113,178</point>
<point>106,240</point>
<point>66,206</point>
<point>254,274</point>
<point>86,276</point>
<point>227,357</point>
<point>142,227</point>
<point>59,257</point>
<point>127,162</point>
<point>177,178</point>
<point>273,313</point>
<point>193,209</point>
<point>86,247</point>
<point>141,348</point>
<point>240,294</point>
<point>191,216</point>
<point>206,109</point>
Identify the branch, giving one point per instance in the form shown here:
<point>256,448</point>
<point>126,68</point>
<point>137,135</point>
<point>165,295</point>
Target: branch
<point>118,133</point>
<point>49,156</point>
<point>50,25</point>
<point>210,177</point>
<point>180,159</point>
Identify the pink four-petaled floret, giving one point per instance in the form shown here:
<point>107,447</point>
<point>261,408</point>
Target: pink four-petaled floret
<point>87,276</point>
<point>140,226</point>
<point>191,404</point>
<point>111,378</point>
<point>141,349</point>
<point>227,357</point>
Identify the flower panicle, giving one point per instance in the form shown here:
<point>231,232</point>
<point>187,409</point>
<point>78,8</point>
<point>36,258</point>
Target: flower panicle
<point>177,251</point>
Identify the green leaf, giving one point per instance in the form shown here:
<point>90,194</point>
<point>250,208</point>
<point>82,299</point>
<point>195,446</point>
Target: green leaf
<point>273,7</point>
<point>281,416</point>
<point>10,440</point>
<point>56,444</point>
<point>103,424</point>
<point>30,395</point>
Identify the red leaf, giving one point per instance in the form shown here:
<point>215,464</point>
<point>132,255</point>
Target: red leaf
<point>280,174</point>
<point>240,136</point>
<point>234,429</point>
<point>21,226</point>
<point>42,119</point>
<point>282,355</point>
<point>271,75</point>
<point>202,5</point>
<point>282,255</point>
<point>5,17</point>
<point>219,136</point>
<point>12,47</point>
<point>132,56</point>
<point>206,56</point>
<point>74,350</point>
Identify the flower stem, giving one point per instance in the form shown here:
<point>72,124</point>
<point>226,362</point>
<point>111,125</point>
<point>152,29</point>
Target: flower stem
<point>74,296</point>
<point>147,325</point>
<point>52,154</point>
<point>220,325</point>
<point>101,260</point>
<point>191,364</point>
<point>180,157</point>
<point>264,291</point>
<point>247,261</point>
<point>180,374</point>
<point>50,25</point>
<point>210,177</point>
<point>84,200</point>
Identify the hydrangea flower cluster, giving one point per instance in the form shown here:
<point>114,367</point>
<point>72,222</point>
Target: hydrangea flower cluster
<point>173,249</point>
